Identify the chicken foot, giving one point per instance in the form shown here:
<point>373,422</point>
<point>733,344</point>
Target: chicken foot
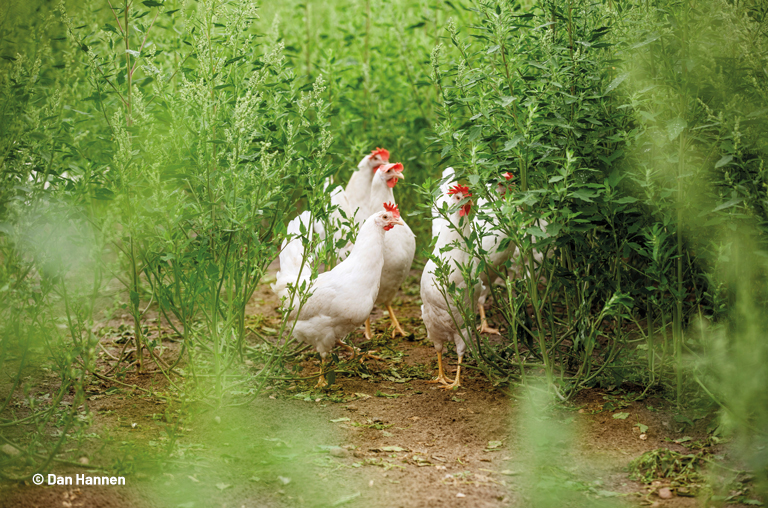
<point>367,331</point>
<point>398,328</point>
<point>356,351</point>
<point>440,373</point>
<point>484,328</point>
<point>456,383</point>
<point>321,382</point>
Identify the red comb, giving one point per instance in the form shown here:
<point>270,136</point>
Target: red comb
<point>459,189</point>
<point>397,166</point>
<point>381,152</point>
<point>392,208</point>
<point>508,175</point>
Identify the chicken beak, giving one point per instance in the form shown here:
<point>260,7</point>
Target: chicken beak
<point>400,175</point>
<point>398,222</point>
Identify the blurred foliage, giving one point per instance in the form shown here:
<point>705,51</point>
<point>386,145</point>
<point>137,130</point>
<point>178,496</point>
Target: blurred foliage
<point>154,152</point>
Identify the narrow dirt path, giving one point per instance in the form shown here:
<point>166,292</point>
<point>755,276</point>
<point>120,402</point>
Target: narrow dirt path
<point>380,437</point>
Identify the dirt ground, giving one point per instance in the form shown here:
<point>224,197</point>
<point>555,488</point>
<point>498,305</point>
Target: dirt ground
<point>381,437</point>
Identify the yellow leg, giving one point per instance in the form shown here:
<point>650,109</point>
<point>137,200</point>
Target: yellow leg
<point>368,328</point>
<point>440,374</point>
<point>484,328</point>
<point>321,382</point>
<point>456,382</point>
<point>397,329</point>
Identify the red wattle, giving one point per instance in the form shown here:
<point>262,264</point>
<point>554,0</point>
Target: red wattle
<point>392,182</point>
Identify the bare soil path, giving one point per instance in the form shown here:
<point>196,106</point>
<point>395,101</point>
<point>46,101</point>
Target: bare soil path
<point>381,437</point>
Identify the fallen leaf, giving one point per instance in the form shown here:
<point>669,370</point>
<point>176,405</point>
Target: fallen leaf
<point>193,479</point>
<point>284,480</point>
<point>494,444</point>
<point>643,428</point>
<point>222,486</point>
<point>337,420</point>
<point>9,450</point>
<point>620,416</point>
<point>390,449</point>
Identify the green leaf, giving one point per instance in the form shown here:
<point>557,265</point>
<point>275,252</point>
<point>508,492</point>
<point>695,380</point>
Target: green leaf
<point>507,100</point>
<point>620,416</point>
<point>723,161</point>
<point>584,195</point>
<point>675,127</point>
<point>152,3</point>
<point>728,204</point>
<point>509,145</point>
<point>494,444</point>
<point>616,82</point>
<point>643,428</point>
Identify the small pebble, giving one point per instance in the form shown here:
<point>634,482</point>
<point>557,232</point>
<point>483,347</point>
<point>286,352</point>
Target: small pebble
<point>460,495</point>
<point>665,493</point>
<point>643,437</point>
<point>217,419</point>
<point>83,460</point>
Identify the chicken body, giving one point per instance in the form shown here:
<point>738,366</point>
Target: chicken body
<point>358,190</point>
<point>399,244</point>
<point>442,319</point>
<point>341,299</point>
<point>353,200</point>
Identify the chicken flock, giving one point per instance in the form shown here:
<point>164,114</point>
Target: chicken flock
<point>323,310</point>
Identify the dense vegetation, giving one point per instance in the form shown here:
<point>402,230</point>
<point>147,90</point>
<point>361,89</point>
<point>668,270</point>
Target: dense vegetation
<point>152,152</point>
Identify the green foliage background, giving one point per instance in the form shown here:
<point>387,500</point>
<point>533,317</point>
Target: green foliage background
<point>165,168</point>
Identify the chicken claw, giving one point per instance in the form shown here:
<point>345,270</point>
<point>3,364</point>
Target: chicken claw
<point>396,323</point>
<point>440,375</point>
<point>321,382</point>
<point>484,328</point>
<point>456,383</point>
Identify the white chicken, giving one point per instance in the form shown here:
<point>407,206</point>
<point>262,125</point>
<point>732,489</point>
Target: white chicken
<point>358,189</point>
<point>491,243</point>
<point>399,245</point>
<point>354,199</point>
<point>438,220</point>
<point>437,313</point>
<point>341,299</point>
<point>497,257</point>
